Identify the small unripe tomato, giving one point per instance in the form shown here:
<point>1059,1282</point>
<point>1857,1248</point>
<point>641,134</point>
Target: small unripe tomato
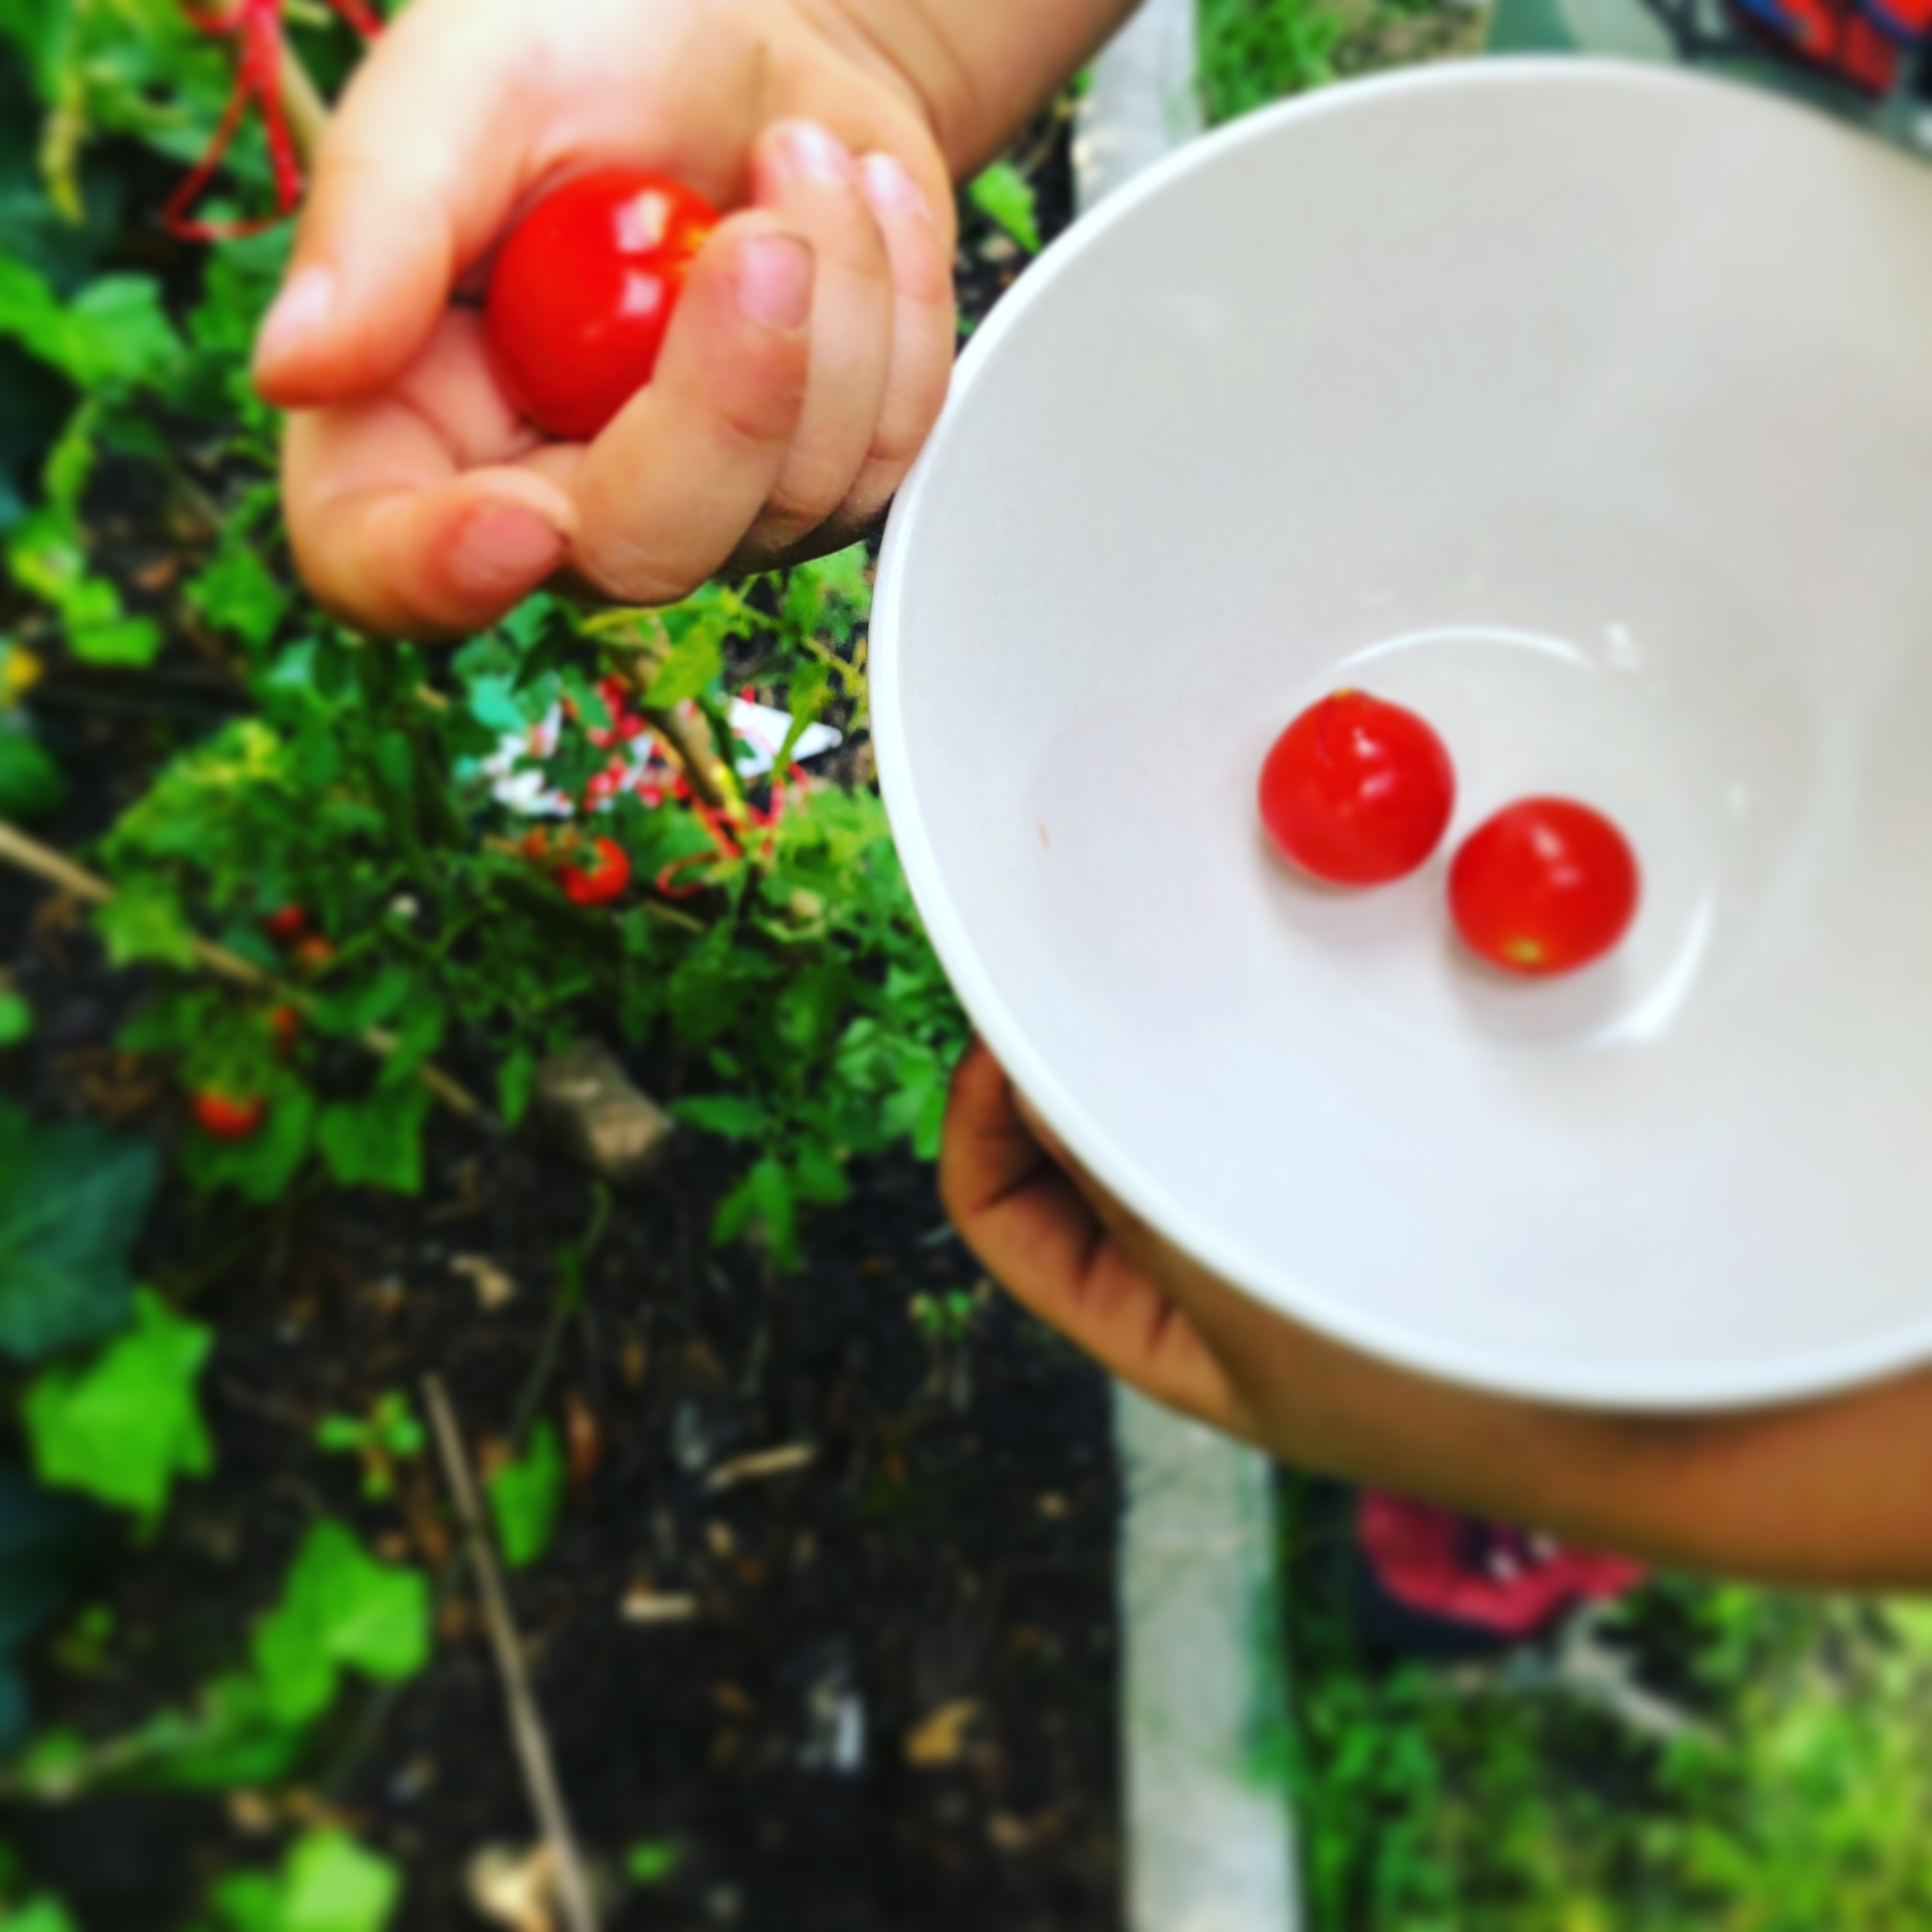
<point>1544,886</point>
<point>312,955</point>
<point>603,878</point>
<point>227,1116</point>
<point>582,292</point>
<point>1357,791</point>
<point>285,1026</point>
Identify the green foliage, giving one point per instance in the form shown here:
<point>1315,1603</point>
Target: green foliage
<point>31,784</point>
<point>121,1429</point>
<point>652,1860</point>
<point>1254,51</point>
<point>73,1199</point>
<point>1437,1799</point>
<point>341,1611</point>
<point>1004,196</point>
<point>390,1434</point>
<point>327,1883</point>
<point>43,1913</point>
<point>16,1019</point>
<point>526,1498</point>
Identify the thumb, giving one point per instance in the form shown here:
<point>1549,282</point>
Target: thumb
<point>413,178</point>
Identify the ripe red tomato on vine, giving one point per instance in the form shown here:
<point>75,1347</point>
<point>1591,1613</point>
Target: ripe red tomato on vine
<point>1357,791</point>
<point>1545,886</point>
<point>607,875</point>
<point>228,1117</point>
<point>582,291</point>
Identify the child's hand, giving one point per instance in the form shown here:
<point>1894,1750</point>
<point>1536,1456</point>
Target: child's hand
<point>1830,1492</point>
<point>808,358</point>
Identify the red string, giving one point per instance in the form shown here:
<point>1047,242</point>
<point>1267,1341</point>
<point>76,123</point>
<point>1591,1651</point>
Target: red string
<point>258,81</point>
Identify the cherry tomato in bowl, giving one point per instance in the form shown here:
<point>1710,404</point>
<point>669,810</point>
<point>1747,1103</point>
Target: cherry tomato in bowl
<point>582,291</point>
<point>1545,886</point>
<point>1357,791</point>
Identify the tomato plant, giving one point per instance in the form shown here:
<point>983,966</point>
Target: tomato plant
<point>1357,791</point>
<point>1545,886</point>
<point>583,290</point>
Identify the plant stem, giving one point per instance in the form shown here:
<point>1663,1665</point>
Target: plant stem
<point>527,1726</point>
<point>29,855</point>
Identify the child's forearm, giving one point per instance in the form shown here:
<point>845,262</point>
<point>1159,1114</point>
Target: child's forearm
<point>979,67</point>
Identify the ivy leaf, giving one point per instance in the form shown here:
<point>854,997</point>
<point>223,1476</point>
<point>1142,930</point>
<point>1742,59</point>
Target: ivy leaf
<point>1003,197</point>
<point>377,1141</point>
<point>73,1200</point>
<point>145,919</point>
<point>122,1428</point>
<point>339,1607</point>
<point>328,1883</point>
<point>527,1497</point>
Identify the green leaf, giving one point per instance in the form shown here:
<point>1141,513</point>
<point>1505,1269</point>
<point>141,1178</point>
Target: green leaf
<point>1003,197</point>
<point>44,1537</point>
<point>145,919</point>
<point>526,1498</point>
<point>45,1913</point>
<point>16,1020</point>
<point>516,1081</point>
<point>694,661</point>
<point>377,1141</point>
<point>652,1860</point>
<point>32,786</point>
<point>123,1428</point>
<point>73,1200</point>
<point>327,1883</point>
<point>339,1607</point>
<point>237,592</point>
<point>733,1115</point>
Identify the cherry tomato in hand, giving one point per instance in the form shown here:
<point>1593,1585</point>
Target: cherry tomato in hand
<point>607,875</point>
<point>1357,791</point>
<point>1544,886</point>
<point>582,291</point>
<point>227,1117</point>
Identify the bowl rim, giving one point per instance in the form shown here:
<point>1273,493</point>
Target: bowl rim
<point>1554,1377</point>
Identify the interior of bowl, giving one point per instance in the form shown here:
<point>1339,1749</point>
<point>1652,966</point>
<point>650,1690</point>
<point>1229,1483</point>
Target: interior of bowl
<point>1587,410</point>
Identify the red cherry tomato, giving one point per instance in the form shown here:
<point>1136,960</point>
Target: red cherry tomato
<point>1546,886</point>
<point>583,290</point>
<point>227,1117</point>
<point>286,926</point>
<point>607,875</point>
<point>1357,791</point>
<point>312,955</point>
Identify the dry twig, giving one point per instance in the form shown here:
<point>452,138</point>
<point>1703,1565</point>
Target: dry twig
<point>526,1725</point>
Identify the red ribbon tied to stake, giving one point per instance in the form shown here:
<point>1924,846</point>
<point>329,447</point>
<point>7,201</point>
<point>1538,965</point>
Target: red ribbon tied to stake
<point>258,80</point>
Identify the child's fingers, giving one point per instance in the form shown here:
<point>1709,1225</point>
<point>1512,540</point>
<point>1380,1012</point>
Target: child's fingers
<point>805,174</point>
<point>1027,1219</point>
<point>664,494</point>
<point>924,327</point>
<point>405,514</point>
<point>415,175</point>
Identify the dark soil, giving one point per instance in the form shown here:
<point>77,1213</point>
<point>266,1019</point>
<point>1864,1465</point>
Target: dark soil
<point>947,1549</point>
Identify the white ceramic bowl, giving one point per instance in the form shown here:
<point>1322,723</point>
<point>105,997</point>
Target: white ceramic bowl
<point>1588,410</point>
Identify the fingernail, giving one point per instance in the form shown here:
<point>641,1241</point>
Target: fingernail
<point>889,187</point>
<point>807,149</point>
<point>504,544</point>
<point>300,309</point>
<point>774,282</point>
